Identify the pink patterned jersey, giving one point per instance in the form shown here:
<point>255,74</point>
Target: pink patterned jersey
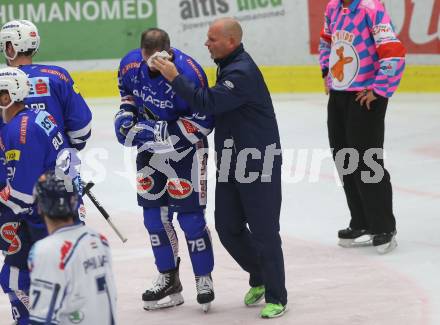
<point>359,48</point>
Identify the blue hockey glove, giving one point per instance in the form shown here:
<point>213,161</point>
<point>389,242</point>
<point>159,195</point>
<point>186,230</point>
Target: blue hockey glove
<point>144,132</point>
<point>124,121</point>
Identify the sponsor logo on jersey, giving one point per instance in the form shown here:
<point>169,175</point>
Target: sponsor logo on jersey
<point>40,87</point>
<point>60,75</point>
<point>46,122</point>
<point>144,184</point>
<point>76,317</point>
<point>179,188</point>
<point>129,66</point>
<point>23,129</point>
<point>189,127</point>
<point>389,68</point>
<point>197,71</point>
<point>104,240</point>
<point>5,193</point>
<point>14,247</point>
<point>82,212</point>
<point>64,251</point>
<point>13,155</point>
<point>8,232</point>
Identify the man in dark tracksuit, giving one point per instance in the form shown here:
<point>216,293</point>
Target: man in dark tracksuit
<point>246,127</point>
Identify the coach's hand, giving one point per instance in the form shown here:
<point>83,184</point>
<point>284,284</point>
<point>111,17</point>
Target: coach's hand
<point>166,68</point>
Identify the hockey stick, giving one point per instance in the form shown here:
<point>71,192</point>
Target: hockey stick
<point>104,213</point>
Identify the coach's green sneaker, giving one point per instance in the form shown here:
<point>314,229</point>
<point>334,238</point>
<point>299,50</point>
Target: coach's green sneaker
<point>254,296</point>
<point>272,311</point>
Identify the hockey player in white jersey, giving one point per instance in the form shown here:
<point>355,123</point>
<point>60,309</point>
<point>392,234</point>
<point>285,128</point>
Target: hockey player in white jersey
<point>71,269</point>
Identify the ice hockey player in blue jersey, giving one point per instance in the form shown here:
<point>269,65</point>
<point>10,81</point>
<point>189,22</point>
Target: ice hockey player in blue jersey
<point>171,165</point>
<point>52,88</point>
<point>30,143</point>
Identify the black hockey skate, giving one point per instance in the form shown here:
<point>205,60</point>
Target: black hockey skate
<point>385,242</point>
<point>165,292</point>
<point>354,237</point>
<point>205,291</point>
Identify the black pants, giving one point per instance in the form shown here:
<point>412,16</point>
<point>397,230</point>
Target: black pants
<point>353,126</point>
<point>256,249</point>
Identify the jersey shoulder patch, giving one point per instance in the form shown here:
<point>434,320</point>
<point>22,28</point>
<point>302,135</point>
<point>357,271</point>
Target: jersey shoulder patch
<point>46,122</point>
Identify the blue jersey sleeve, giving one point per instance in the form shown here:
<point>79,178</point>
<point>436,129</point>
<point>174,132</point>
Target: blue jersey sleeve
<point>77,117</point>
<point>192,126</point>
<point>127,67</point>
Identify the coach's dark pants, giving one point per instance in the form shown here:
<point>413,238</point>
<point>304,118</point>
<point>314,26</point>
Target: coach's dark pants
<point>256,249</point>
<point>353,126</point>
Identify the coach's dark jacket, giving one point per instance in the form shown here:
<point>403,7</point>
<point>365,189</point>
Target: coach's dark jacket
<point>241,104</point>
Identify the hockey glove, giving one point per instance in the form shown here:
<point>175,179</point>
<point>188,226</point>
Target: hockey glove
<point>150,131</point>
<point>124,121</point>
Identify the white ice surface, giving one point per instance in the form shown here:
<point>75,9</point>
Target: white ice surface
<point>326,284</point>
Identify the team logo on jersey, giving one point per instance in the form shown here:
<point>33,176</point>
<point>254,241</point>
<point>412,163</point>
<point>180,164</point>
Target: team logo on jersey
<point>179,188</point>
<point>13,155</point>
<point>46,122</point>
<point>8,232</point>
<point>76,317</point>
<point>344,60</point>
<point>40,87</point>
<point>144,184</point>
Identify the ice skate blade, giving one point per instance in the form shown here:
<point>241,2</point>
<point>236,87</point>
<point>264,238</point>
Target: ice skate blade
<point>169,301</point>
<point>206,307</point>
<point>362,241</point>
<point>386,248</point>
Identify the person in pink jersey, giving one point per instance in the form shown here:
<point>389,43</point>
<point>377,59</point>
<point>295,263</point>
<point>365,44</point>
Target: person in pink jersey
<point>362,63</point>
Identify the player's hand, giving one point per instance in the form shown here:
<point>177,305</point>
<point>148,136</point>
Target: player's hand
<point>166,68</point>
<point>365,97</point>
<point>124,121</point>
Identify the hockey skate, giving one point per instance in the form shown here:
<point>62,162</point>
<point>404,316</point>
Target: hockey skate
<point>165,292</point>
<point>385,242</point>
<point>205,291</point>
<point>354,238</point>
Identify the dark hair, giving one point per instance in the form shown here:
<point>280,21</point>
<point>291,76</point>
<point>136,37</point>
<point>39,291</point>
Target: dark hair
<point>155,39</point>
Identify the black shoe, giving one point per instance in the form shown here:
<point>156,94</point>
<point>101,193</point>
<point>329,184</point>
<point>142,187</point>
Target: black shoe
<point>385,242</point>
<point>354,237</point>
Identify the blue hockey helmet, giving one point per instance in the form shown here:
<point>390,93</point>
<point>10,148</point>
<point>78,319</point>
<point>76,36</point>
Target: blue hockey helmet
<point>54,199</point>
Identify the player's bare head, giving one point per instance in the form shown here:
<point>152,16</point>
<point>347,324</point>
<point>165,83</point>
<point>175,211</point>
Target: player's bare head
<point>155,40</point>
<point>224,36</point>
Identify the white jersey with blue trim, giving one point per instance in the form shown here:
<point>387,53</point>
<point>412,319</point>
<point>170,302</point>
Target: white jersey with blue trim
<point>71,279</point>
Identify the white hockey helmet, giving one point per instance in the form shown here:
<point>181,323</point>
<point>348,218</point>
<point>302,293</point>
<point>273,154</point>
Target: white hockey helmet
<point>23,36</point>
<point>16,83</point>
